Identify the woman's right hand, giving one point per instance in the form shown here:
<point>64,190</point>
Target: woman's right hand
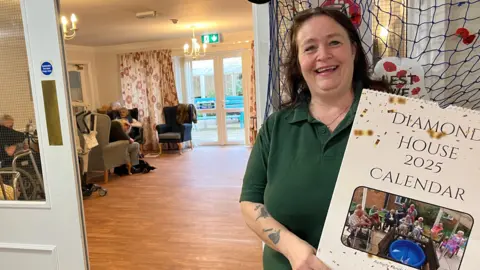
<point>302,256</point>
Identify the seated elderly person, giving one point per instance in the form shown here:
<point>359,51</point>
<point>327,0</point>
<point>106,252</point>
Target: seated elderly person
<point>125,114</point>
<point>356,221</point>
<point>436,231</point>
<point>12,142</point>
<point>375,220</point>
<point>389,220</point>
<point>373,210</point>
<point>418,228</point>
<point>400,213</point>
<point>9,141</point>
<point>455,242</point>
<point>405,225</point>
<point>7,121</point>
<point>119,131</point>
<point>135,132</point>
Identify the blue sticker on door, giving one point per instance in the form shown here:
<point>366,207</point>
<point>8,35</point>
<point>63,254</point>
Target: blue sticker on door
<point>47,68</point>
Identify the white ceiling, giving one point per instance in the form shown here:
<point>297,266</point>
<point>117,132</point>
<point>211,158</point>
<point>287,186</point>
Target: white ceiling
<point>113,22</point>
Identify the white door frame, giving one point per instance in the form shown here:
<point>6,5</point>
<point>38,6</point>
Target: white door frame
<point>83,81</point>
<point>47,234</point>
<point>93,94</point>
<point>191,96</point>
<point>220,110</point>
<point>221,97</point>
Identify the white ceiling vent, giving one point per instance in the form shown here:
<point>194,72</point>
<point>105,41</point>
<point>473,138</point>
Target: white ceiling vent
<point>146,14</point>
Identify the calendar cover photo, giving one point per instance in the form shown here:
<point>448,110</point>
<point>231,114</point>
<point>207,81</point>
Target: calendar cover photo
<point>407,192</point>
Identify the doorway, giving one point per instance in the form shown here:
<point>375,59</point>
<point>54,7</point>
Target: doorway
<point>219,94</point>
<point>82,97</point>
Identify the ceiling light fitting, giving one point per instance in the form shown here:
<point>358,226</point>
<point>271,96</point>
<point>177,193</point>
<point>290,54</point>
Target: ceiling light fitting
<point>194,51</point>
<point>146,14</point>
<point>69,33</point>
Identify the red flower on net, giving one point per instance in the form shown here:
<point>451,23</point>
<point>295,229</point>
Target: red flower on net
<point>356,18</point>
<point>415,78</point>
<point>389,66</point>
<point>462,32</point>
<point>415,90</point>
<point>469,39</point>
<point>402,73</point>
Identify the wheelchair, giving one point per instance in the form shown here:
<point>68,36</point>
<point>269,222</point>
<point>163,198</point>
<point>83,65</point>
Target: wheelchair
<point>24,176</point>
<point>3,186</point>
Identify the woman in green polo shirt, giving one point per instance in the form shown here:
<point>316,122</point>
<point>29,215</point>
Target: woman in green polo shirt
<point>295,161</point>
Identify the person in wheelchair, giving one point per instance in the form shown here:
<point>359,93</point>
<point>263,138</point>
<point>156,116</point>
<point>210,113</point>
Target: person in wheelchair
<point>7,121</point>
<point>10,140</point>
<point>13,144</point>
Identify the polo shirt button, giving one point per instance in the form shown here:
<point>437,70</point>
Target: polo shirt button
<point>323,130</point>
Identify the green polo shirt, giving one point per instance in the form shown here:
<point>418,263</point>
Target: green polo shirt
<point>292,170</point>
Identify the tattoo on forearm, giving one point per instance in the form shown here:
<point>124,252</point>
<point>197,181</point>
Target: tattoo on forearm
<point>257,206</point>
<point>274,236</point>
<point>263,212</point>
<point>267,230</point>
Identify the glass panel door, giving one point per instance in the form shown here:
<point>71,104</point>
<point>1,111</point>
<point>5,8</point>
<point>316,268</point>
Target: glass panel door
<point>205,131</point>
<point>234,109</point>
<point>216,87</point>
<point>42,224</point>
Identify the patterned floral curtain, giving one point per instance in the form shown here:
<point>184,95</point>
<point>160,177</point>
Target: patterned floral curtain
<point>148,83</point>
<point>252,134</point>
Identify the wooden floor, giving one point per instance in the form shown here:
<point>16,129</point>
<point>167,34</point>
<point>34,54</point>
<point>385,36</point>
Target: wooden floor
<point>184,215</point>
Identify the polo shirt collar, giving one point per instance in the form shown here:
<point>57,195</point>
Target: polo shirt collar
<point>301,111</point>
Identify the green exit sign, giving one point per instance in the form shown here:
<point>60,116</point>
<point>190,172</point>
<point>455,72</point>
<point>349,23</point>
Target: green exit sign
<point>211,38</point>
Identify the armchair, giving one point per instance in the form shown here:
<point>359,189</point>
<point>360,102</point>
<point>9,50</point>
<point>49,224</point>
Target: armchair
<point>106,155</point>
<point>173,131</point>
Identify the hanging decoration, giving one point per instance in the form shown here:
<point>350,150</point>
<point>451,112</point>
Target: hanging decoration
<point>349,7</point>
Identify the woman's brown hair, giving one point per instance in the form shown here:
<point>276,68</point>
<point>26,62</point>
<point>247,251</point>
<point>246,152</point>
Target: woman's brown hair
<point>297,88</point>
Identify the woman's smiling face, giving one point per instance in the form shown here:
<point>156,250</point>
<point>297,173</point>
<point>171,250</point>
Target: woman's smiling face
<point>326,56</point>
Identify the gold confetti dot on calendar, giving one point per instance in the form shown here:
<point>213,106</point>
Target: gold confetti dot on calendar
<point>397,100</point>
<point>436,135</point>
<point>363,113</point>
<point>359,132</point>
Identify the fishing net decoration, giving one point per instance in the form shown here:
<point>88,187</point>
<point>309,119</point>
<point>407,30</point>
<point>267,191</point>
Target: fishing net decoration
<point>438,39</point>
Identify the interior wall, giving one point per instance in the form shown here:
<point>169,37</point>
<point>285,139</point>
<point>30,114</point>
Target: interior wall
<point>108,78</point>
<point>261,25</point>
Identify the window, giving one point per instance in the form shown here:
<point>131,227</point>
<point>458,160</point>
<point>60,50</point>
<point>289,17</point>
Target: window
<point>399,200</point>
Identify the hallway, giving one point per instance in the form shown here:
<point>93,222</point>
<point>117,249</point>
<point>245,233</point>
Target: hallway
<point>184,215</point>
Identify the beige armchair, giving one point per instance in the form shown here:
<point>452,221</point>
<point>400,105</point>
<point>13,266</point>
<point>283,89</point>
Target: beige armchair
<point>106,155</point>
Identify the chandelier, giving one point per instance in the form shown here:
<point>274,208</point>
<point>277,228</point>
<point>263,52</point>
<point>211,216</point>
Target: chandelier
<point>69,33</point>
<point>194,51</point>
